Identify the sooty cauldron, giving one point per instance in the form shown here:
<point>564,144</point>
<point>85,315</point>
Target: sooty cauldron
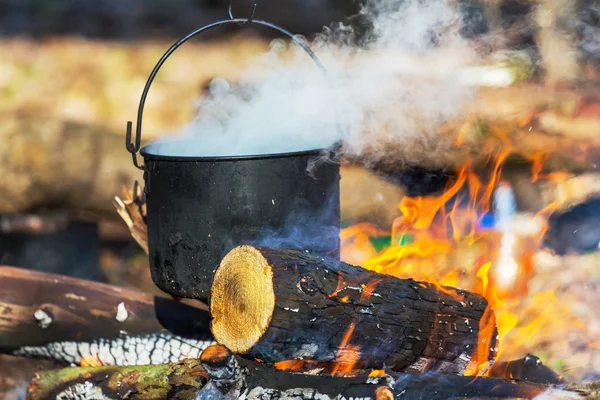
<point>198,208</point>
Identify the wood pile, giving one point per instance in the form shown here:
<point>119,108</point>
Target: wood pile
<point>218,372</point>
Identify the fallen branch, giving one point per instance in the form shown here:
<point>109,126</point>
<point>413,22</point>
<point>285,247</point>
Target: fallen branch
<point>75,321</point>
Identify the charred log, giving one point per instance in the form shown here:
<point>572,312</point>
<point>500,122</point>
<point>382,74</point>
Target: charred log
<point>73,320</point>
<point>530,368</point>
<point>238,378</point>
<point>278,305</point>
<point>234,377</point>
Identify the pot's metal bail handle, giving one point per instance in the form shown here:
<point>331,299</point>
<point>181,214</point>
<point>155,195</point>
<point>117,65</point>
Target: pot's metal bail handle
<point>134,146</point>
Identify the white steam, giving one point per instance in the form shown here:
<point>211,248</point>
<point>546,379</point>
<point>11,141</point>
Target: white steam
<point>403,81</point>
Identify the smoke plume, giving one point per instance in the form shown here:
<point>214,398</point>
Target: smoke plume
<point>395,85</point>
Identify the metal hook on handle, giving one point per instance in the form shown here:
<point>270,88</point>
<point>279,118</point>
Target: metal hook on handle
<point>249,20</point>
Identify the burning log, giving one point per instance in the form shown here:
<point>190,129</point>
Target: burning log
<point>150,382</point>
<point>233,377</point>
<point>78,321</point>
<point>281,304</point>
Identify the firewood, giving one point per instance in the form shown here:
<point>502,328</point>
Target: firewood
<point>221,375</point>
<point>237,378</point>
<point>78,321</point>
<point>234,377</point>
<point>149,382</point>
<point>281,304</point>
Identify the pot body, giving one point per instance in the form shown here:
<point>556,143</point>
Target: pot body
<point>200,208</point>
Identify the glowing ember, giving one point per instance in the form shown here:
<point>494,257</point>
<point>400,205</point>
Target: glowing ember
<point>346,358</point>
<point>90,361</point>
<point>376,372</point>
<point>290,365</point>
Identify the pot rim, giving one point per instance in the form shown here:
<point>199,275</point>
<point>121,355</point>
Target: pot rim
<point>159,157</point>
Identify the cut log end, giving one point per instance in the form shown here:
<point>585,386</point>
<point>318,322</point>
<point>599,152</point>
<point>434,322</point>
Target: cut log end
<point>215,355</point>
<point>242,299</point>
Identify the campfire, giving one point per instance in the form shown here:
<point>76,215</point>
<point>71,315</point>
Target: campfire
<point>327,268</point>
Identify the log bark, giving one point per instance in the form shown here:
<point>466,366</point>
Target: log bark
<point>78,321</point>
<point>150,382</point>
<point>278,305</point>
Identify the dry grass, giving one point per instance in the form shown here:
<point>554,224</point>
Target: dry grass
<point>100,83</point>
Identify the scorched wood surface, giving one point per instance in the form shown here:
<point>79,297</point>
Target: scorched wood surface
<point>276,305</point>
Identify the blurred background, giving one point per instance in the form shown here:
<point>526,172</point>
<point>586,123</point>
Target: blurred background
<point>157,19</point>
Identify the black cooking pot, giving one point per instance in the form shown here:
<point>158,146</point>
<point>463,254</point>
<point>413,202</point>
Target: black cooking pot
<point>198,208</point>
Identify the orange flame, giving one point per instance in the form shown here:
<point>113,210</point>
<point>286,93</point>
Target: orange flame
<point>438,240</point>
<point>347,354</point>
<point>368,289</point>
<point>346,358</point>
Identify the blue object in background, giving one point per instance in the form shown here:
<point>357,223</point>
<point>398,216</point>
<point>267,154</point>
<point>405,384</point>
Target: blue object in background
<point>487,221</point>
<point>504,208</point>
